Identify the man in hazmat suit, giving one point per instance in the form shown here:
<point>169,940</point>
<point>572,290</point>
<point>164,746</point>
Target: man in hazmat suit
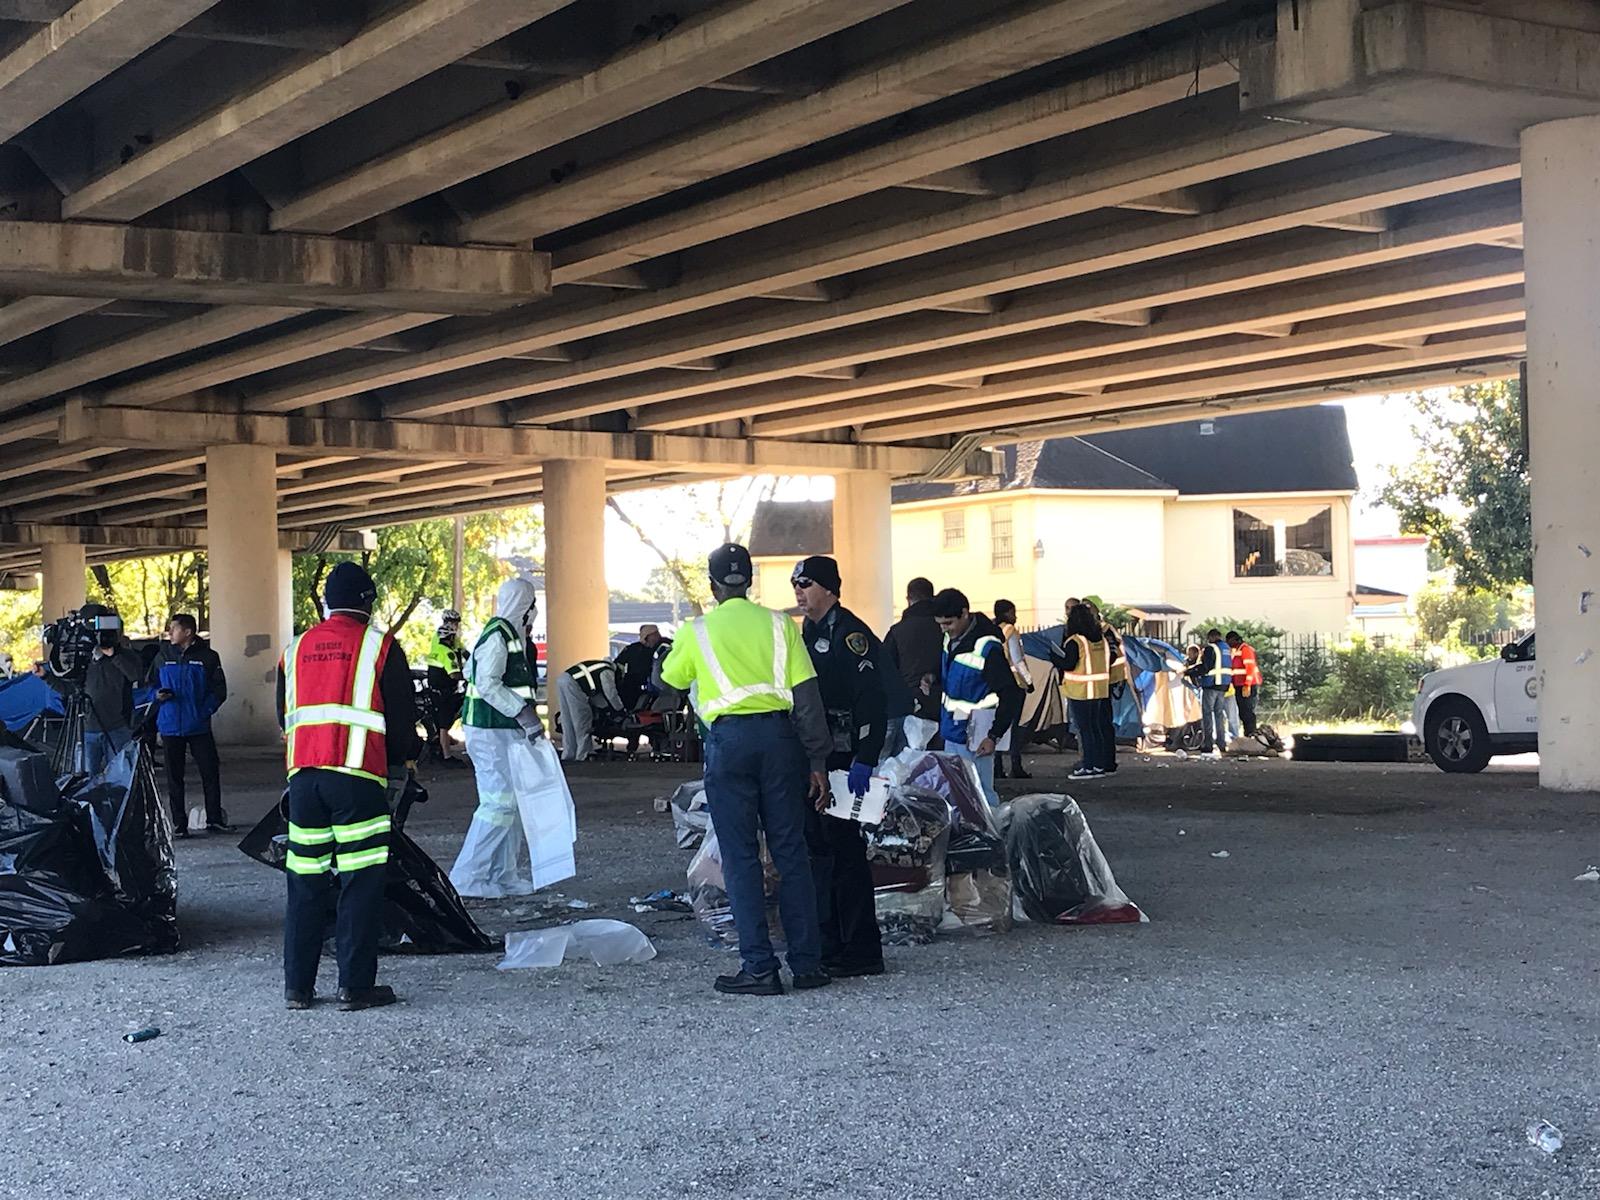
<point>524,808</point>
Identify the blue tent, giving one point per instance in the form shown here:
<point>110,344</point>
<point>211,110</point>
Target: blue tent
<point>1166,696</point>
<point>1125,714</point>
<point>24,697</point>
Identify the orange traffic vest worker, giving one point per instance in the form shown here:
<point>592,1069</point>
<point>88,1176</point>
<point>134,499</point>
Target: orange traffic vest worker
<point>349,717</point>
<point>1246,680</point>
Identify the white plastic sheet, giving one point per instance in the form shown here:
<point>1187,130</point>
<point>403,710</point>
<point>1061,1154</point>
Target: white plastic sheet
<point>522,832</point>
<point>608,943</point>
<point>920,732</point>
<point>549,820</point>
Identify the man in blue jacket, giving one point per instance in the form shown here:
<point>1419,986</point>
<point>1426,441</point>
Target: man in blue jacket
<point>190,686</point>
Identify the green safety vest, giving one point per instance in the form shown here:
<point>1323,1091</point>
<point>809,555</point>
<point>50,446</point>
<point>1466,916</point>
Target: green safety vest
<point>742,659</point>
<point>478,712</point>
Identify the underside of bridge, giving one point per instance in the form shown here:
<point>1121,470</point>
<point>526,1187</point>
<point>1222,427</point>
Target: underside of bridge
<point>361,262</point>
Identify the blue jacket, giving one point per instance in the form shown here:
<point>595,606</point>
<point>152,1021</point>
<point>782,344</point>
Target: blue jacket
<point>195,679</point>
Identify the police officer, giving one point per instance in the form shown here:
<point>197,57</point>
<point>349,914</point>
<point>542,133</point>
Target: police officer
<point>845,653</point>
<point>757,693</point>
<point>348,712</point>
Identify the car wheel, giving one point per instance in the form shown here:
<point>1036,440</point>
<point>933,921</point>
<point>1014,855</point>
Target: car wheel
<point>1456,738</point>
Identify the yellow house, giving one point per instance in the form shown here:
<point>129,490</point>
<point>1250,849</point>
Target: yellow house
<point>1245,516</point>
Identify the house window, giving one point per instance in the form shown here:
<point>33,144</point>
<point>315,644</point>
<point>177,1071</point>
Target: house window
<point>955,529</point>
<point>1270,542</point>
<point>1000,538</point>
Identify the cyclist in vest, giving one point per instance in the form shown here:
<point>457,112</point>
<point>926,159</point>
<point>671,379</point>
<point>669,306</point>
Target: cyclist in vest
<point>446,658</point>
<point>1086,682</point>
<point>1246,679</point>
<point>846,655</point>
<point>981,697</point>
<point>754,687</point>
<point>1214,673</point>
<point>348,712</point>
<point>587,689</point>
<point>499,713</point>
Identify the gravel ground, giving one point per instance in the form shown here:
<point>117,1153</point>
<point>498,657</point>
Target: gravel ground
<point>1389,976</point>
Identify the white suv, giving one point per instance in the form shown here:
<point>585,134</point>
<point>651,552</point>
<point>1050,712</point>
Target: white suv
<point>1466,715</point>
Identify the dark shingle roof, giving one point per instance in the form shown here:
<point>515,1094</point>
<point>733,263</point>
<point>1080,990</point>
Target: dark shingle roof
<point>791,528</point>
<point>1068,464</point>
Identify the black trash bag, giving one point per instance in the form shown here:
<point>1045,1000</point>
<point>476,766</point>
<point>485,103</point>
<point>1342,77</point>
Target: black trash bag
<point>1057,868</point>
<point>80,880</point>
<point>132,832</point>
<point>422,912</point>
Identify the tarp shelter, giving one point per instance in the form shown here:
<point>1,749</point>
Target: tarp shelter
<point>1164,695</point>
<point>1042,648</point>
<point>23,698</point>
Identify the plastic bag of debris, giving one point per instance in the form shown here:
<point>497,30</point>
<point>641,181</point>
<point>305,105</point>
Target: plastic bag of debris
<point>690,815</point>
<point>907,855</point>
<point>953,778</point>
<point>977,884</point>
<point>708,893</point>
<point>1059,872</point>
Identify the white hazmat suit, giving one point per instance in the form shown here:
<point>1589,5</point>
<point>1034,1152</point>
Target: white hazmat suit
<point>523,829</point>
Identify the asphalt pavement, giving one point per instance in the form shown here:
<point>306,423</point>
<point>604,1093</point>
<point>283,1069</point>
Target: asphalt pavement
<point>1390,974</point>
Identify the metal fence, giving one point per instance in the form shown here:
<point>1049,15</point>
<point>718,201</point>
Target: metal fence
<point>1294,664</point>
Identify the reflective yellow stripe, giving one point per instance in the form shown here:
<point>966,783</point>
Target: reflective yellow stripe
<point>363,858</point>
<point>363,693</point>
<point>289,693</point>
<point>307,836</point>
<point>362,829</point>
<point>336,714</point>
<point>728,695</point>
<point>301,865</point>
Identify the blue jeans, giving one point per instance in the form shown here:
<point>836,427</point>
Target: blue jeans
<point>985,767</point>
<point>756,779</point>
<point>100,748</point>
<point>1214,717</point>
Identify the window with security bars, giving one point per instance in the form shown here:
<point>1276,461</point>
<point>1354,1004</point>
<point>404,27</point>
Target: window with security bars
<point>955,529</point>
<point>1289,540</point>
<point>1000,555</point>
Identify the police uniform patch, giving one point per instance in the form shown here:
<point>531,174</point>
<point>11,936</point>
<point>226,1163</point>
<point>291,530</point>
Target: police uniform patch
<point>857,643</point>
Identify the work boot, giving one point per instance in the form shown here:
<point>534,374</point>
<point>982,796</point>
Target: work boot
<point>297,1001</point>
<point>840,970</point>
<point>218,827</point>
<point>356,999</point>
<point>806,980</point>
<point>745,984</point>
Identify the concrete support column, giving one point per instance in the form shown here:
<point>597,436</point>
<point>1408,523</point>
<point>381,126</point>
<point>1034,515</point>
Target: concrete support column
<point>862,542</point>
<point>63,582</point>
<point>577,623</point>
<point>246,594</point>
<point>1560,195</point>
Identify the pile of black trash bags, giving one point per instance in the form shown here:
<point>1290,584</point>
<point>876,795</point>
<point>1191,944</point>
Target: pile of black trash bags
<point>942,860</point>
<point>86,865</point>
<point>422,911</point>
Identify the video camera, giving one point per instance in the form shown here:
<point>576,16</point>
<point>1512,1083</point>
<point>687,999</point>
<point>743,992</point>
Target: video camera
<point>72,641</point>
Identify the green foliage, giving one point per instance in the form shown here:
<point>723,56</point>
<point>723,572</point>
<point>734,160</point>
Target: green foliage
<point>1302,673</point>
<point>146,592</point>
<point>1365,680</point>
<point>20,624</point>
<point>1467,488</point>
<point>1443,610</point>
<point>1113,614</point>
<point>1264,637</point>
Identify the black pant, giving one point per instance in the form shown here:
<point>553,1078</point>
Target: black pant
<point>1108,734</point>
<point>1247,712</point>
<point>843,879</point>
<point>1091,719</point>
<point>204,748</point>
<point>1020,736</point>
<point>327,812</point>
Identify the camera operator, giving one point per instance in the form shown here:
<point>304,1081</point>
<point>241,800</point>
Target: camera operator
<point>107,683</point>
<point>190,686</point>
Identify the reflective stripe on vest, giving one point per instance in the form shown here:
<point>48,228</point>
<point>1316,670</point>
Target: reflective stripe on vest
<point>359,717</point>
<point>586,673</point>
<point>1221,672</point>
<point>728,695</point>
<point>1091,679</point>
<point>965,689</point>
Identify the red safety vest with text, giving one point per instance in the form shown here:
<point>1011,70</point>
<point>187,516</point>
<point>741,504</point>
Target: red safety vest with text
<point>1246,671</point>
<point>333,709</point>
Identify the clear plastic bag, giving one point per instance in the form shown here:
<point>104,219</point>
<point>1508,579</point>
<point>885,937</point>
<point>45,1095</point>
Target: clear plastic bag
<point>608,943</point>
<point>1059,873</point>
<point>907,854</point>
<point>690,815</point>
<point>708,892</point>
<point>955,779</point>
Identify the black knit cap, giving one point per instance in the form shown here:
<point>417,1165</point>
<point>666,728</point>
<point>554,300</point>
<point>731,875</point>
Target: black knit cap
<point>819,568</point>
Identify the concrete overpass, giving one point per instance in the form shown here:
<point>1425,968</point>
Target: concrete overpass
<point>324,264</point>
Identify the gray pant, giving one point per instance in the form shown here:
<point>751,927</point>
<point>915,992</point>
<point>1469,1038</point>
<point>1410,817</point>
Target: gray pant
<point>1214,717</point>
<point>577,720</point>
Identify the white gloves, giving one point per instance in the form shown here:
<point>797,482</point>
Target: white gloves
<point>528,719</point>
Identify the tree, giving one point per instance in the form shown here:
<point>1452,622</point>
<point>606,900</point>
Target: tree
<point>1268,642</point>
<point>1443,610</point>
<point>1467,487</point>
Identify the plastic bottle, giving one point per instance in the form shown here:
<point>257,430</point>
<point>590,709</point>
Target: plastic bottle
<point>1545,1136</point>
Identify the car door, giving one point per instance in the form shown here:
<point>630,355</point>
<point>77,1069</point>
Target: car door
<point>1516,692</point>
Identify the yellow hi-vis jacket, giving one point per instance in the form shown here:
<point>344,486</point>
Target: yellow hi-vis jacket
<point>1091,678</point>
<point>741,659</point>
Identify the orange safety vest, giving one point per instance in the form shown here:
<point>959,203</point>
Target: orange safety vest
<point>333,708</point>
<point>1246,671</point>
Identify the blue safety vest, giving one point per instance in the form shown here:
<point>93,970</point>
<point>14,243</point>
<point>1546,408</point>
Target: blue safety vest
<point>1220,676</point>
<point>965,690</point>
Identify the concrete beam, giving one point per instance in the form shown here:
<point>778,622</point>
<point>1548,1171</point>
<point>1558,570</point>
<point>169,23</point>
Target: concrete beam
<point>19,464</point>
<point>967,179</point>
<point>78,49</point>
<point>152,537</point>
<point>133,427</point>
<point>1027,35</point>
<point>116,261</point>
<point>402,45</point>
<point>30,314</point>
<point>700,51</point>
<point>138,467</point>
<point>135,350</point>
<point>949,145</point>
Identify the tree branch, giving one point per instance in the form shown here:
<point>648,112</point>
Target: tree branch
<point>673,566</point>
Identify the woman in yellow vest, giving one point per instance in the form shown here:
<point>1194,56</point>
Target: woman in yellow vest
<point>1086,681</point>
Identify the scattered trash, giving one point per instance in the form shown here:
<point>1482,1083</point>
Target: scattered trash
<point>145,1035</point>
<point>608,943</point>
<point>1545,1136</point>
<point>1182,755</point>
<point>1220,854</point>
<point>907,853</point>
<point>1583,658</point>
<point>666,900</point>
<point>1592,875</point>
<point>690,815</point>
<point>1183,833</point>
<point>1585,598</point>
<point>1583,550</point>
<point>580,904</point>
<point>662,803</point>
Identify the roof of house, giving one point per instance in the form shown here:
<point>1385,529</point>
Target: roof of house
<point>1371,595</point>
<point>791,528</point>
<point>1289,450</point>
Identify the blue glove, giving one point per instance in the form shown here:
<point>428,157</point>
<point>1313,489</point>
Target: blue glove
<point>860,779</point>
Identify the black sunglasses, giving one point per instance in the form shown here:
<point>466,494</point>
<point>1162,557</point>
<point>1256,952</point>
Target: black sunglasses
<point>800,581</point>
